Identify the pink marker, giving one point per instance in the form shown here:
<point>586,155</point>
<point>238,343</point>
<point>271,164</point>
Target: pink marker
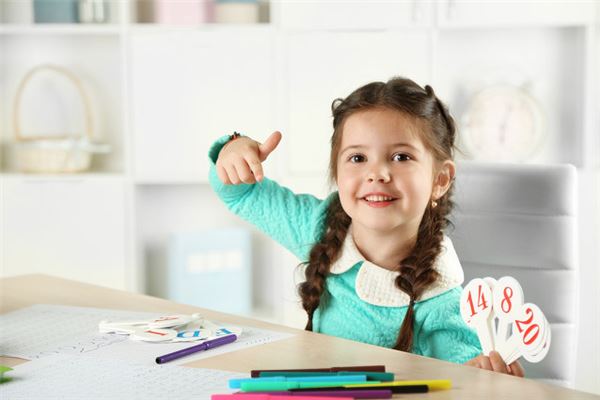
<point>269,397</point>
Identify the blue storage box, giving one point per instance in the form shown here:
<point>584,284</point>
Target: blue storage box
<point>55,11</point>
<point>212,269</point>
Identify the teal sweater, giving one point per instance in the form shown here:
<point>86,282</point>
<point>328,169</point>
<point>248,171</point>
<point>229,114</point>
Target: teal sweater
<point>296,221</point>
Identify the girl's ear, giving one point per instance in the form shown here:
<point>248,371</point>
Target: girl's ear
<point>443,179</point>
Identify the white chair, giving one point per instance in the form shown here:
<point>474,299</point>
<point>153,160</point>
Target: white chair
<point>520,220</point>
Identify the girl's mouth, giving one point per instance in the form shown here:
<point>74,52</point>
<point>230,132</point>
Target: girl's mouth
<point>378,201</point>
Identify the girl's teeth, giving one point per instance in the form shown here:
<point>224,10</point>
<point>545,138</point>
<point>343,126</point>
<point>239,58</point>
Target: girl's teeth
<point>378,198</point>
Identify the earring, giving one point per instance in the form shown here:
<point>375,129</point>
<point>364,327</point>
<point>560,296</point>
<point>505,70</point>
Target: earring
<point>433,204</point>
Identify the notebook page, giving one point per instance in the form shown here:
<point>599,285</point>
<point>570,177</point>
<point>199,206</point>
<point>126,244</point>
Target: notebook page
<point>85,377</point>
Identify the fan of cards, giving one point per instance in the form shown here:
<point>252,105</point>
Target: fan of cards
<point>170,328</point>
<point>495,309</point>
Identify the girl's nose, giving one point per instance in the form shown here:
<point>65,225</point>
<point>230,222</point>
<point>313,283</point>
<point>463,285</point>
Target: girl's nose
<point>379,174</point>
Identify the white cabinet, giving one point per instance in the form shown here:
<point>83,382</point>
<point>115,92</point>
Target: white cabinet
<point>73,227</point>
<point>162,94</point>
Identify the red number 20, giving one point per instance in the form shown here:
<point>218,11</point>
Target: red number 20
<point>529,331</point>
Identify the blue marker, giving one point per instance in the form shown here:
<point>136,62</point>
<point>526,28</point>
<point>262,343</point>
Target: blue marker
<point>237,383</point>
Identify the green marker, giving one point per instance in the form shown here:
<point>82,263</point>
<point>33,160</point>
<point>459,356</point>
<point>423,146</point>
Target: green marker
<point>281,386</point>
<point>4,369</point>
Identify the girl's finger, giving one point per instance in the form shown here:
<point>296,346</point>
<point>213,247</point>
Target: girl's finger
<point>474,362</point>
<point>484,363</point>
<point>256,167</point>
<point>269,145</point>
<point>243,171</point>
<point>222,174</point>
<point>497,362</point>
<point>232,174</point>
<point>516,369</point>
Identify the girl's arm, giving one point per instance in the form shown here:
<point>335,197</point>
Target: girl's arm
<point>292,220</point>
<point>444,335</point>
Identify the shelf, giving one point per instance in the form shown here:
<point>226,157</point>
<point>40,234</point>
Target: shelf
<point>173,180</point>
<point>59,29</point>
<point>212,27</point>
<point>95,176</point>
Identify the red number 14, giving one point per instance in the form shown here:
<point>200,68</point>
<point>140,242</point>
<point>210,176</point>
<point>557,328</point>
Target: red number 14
<point>481,303</point>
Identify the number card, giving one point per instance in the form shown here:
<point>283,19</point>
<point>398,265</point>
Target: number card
<point>170,328</point>
<point>531,335</point>
<point>491,282</point>
<point>508,298</point>
<point>522,330</point>
<point>475,308</point>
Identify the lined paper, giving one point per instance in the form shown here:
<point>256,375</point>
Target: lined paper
<point>86,377</point>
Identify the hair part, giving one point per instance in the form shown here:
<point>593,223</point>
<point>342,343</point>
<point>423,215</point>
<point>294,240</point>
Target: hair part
<point>416,271</point>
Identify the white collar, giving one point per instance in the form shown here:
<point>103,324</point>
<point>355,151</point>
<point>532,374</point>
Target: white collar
<point>376,286</point>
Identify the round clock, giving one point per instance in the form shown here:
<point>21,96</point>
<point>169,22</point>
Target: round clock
<point>502,123</point>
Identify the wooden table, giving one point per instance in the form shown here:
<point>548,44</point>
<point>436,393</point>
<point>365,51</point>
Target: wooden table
<point>303,350</point>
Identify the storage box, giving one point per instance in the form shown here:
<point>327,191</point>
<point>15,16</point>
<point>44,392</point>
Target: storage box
<point>16,12</point>
<point>55,11</point>
<point>237,11</point>
<point>212,269</point>
<point>181,12</point>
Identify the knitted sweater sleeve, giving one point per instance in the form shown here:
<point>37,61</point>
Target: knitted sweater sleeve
<point>445,335</point>
<point>293,220</point>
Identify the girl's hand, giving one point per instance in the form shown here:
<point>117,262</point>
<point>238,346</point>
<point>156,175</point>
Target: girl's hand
<point>240,161</point>
<point>495,363</point>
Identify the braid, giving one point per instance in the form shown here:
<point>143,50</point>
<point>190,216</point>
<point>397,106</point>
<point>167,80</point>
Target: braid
<point>322,256</point>
<point>416,271</point>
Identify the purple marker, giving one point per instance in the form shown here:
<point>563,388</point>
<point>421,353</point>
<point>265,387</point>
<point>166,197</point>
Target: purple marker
<point>357,394</point>
<point>209,344</point>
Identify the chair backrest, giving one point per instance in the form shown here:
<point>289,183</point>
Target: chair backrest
<point>520,220</point>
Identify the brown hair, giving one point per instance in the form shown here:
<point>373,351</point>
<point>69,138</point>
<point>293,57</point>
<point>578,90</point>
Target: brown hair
<point>416,270</point>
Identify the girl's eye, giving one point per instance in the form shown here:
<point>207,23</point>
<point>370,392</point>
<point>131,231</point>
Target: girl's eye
<point>401,157</point>
<point>356,158</point>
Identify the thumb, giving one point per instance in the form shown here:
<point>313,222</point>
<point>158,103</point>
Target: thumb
<point>269,145</point>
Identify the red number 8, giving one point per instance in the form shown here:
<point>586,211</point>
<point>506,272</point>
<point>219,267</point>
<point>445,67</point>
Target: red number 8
<point>506,299</point>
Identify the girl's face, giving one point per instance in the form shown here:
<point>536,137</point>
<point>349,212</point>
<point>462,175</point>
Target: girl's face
<point>385,175</point>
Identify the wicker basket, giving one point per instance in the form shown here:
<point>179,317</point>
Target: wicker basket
<point>56,153</point>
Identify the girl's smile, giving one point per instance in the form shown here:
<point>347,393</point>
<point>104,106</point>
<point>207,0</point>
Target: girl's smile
<point>378,199</point>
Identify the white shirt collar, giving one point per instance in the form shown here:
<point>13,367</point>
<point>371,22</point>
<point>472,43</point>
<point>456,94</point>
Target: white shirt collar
<point>376,286</point>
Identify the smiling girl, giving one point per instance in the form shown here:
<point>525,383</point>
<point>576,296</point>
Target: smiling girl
<point>379,268</point>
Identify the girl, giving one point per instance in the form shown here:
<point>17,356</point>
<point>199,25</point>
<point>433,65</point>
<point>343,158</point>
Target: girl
<point>379,268</point>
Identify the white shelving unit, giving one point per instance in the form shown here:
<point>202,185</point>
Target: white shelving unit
<point>162,94</point>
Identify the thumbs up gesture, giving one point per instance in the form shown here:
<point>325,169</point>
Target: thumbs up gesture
<point>240,161</point>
